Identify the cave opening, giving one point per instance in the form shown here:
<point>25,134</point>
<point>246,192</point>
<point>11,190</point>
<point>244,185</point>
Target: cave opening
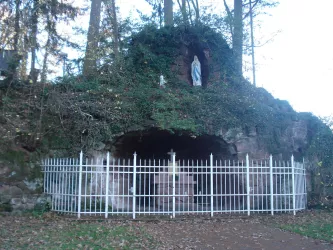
<point>155,144</point>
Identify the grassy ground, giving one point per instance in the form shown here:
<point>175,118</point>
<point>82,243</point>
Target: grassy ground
<point>50,231</point>
<point>316,224</point>
<point>30,232</point>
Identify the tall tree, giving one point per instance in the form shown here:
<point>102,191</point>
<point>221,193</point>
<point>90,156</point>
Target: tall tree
<point>115,29</point>
<point>33,39</point>
<point>112,16</point>
<point>252,46</point>
<point>237,36</point>
<point>182,6</point>
<point>17,24</point>
<point>235,20</point>
<point>45,60</point>
<point>188,8</point>
<point>195,5</point>
<point>10,33</point>
<point>90,60</point>
<point>168,12</point>
<point>16,58</point>
<point>158,10</point>
<point>30,20</point>
<point>52,12</point>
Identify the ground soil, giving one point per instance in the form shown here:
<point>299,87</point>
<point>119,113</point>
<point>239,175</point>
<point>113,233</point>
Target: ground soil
<point>199,232</point>
<point>229,233</point>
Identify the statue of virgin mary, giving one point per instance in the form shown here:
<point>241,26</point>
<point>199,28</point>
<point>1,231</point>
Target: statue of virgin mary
<point>196,72</point>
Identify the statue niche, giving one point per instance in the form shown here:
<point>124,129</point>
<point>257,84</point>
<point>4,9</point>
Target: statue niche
<point>193,65</point>
<point>196,72</point>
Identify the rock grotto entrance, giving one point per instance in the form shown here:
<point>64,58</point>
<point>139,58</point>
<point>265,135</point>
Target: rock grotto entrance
<point>155,144</point>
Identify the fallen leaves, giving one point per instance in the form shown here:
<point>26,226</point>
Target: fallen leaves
<point>188,232</point>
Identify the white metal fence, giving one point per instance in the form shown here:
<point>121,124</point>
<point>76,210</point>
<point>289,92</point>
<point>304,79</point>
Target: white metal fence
<point>169,187</point>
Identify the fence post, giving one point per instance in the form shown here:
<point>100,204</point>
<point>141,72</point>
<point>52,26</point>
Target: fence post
<point>80,186</point>
<point>134,183</point>
<point>271,185</point>
<point>107,185</point>
<point>305,193</point>
<point>293,183</point>
<point>173,185</point>
<point>211,186</point>
<point>248,183</point>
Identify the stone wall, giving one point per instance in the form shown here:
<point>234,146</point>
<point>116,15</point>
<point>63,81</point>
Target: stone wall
<point>16,199</point>
<point>21,181</point>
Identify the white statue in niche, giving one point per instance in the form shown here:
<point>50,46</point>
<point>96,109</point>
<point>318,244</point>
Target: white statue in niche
<point>162,81</point>
<point>196,72</point>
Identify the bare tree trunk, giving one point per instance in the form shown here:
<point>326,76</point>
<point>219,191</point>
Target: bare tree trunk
<point>24,61</point>
<point>168,12</point>
<point>90,64</point>
<point>34,26</point>
<point>252,46</point>
<point>195,4</point>
<point>237,38</point>
<point>115,29</point>
<point>23,66</point>
<point>160,14</point>
<point>17,24</point>
<point>230,18</point>
<point>189,15</point>
<point>182,7</point>
<point>44,69</point>
<point>16,58</point>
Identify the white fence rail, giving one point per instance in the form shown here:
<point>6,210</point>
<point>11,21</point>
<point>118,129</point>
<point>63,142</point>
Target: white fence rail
<point>169,187</point>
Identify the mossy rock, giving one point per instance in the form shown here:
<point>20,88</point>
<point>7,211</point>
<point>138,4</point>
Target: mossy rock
<point>6,207</point>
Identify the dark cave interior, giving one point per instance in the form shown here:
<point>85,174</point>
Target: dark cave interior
<point>155,144</point>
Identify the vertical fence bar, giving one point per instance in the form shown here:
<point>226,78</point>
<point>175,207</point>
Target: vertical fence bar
<point>305,190</point>
<point>271,183</point>
<point>56,185</point>
<point>44,174</point>
<point>80,184</point>
<point>134,183</point>
<point>248,183</point>
<point>293,183</point>
<point>57,171</point>
<point>173,185</point>
<point>61,185</point>
<point>107,185</point>
<point>211,187</point>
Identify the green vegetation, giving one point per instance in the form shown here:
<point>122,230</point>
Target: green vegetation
<point>78,113</point>
<point>5,207</point>
<point>314,224</point>
<point>317,230</point>
<point>116,101</point>
<point>61,234</point>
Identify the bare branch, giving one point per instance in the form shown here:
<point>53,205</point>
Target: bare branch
<point>230,17</point>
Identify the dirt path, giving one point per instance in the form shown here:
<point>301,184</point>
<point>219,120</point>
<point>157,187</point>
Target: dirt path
<point>232,233</point>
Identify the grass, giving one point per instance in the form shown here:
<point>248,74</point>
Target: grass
<point>316,224</point>
<point>60,233</point>
<point>317,230</point>
<point>50,231</point>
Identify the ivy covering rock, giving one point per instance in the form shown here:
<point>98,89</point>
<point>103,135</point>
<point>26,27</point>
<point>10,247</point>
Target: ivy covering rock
<point>75,113</point>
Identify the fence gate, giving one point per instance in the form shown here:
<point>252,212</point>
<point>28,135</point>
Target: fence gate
<point>107,186</point>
